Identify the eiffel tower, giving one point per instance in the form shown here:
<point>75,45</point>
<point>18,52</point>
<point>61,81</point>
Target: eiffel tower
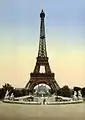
<point>42,60</point>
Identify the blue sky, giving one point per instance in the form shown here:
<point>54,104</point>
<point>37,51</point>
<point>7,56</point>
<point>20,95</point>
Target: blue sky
<point>64,16</point>
<point>19,34</point>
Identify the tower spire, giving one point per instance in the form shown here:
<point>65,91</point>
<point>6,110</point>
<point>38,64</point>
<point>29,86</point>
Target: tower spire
<point>42,43</point>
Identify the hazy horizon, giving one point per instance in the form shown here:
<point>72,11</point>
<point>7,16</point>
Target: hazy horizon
<point>65,39</point>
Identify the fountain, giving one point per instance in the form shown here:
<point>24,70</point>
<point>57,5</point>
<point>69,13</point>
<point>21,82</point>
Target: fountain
<point>42,99</point>
<point>49,100</point>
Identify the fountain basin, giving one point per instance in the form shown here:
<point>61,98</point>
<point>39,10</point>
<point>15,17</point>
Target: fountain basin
<point>22,102</point>
<point>65,102</point>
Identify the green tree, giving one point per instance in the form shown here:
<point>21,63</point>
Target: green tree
<point>6,87</point>
<point>65,91</point>
<point>76,89</point>
<point>83,92</point>
<point>1,93</point>
<point>23,91</point>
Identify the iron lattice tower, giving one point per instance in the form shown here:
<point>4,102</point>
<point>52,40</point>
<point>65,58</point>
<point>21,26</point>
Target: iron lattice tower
<point>42,43</point>
<point>42,60</point>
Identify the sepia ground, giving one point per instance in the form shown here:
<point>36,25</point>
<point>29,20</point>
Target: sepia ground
<point>42,112</point>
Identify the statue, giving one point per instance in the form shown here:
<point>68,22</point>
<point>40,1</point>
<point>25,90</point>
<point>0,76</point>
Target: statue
<point>6,95</point>
<point>75,96</point>
<point>79,95</point>
<point>12,97</point>
<point>53,98</point>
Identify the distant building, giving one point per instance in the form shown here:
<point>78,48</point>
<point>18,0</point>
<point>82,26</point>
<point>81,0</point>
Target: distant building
<point>42,89</point>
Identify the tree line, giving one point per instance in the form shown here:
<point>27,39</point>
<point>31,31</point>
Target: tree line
<point>65,91</point>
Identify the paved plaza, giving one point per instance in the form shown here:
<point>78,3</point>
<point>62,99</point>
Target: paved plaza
<point>42,112</point>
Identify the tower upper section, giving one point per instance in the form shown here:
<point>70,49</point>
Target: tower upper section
<point>42,42</point>
<point>42,14</point>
